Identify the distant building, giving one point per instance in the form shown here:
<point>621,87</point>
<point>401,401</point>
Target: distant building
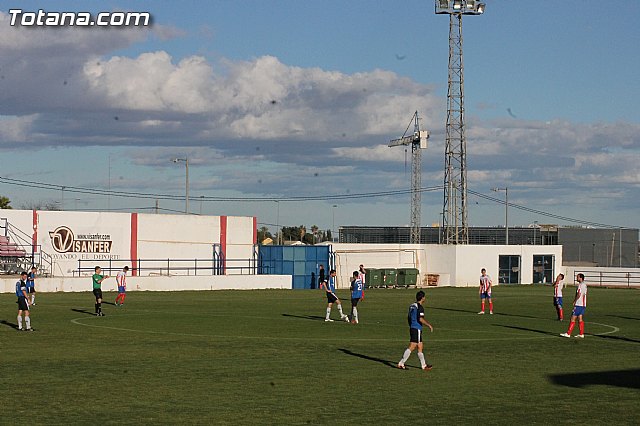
<point>581,246</point>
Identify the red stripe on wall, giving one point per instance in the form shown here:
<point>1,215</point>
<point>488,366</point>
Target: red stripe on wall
<point>223,242</point>
<point>255,230</point>
<point>134,244</point>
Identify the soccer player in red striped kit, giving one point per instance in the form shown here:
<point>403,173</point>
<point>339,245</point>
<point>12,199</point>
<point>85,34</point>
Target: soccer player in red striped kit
<point>485,291</point>
<point>557,296</point>
<point>121,279</point>
<point>579,306</point>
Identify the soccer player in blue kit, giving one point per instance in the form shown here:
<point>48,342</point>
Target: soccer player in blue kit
<point>416,321</point>
<point>357,293</point>
<point>330,288</point>
<point>23,302</point>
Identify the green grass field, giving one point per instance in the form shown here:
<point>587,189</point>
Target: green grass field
<point>267,357</point>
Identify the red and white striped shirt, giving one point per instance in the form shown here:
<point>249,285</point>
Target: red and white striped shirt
<point>121,279</point>
<point>581,294</point>
<point>485,284</point>
<point>557,288</point>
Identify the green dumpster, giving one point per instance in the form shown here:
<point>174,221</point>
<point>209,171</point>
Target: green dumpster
<point>389,277</point>
<point>373,278</point>
<point>407,276</point>
<point>401,280</point>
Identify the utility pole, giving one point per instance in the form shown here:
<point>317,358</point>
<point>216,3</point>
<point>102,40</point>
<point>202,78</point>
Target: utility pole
<point>506,211</point>
<point>186,196</point>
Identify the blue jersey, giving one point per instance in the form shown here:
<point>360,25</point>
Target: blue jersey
<point>20,287</point>
<point>416,311</point>
<point>331,286</point>
<point>30,278</point>
<point>357,289</point>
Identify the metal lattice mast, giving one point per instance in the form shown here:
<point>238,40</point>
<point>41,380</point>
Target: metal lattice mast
<point>418,141</point>
<point>455,227</point>
<point>416,179</point>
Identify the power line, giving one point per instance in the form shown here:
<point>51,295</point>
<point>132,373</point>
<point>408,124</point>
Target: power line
<point>124,194</point>
<point>543,213</point>
<point>348,196</point>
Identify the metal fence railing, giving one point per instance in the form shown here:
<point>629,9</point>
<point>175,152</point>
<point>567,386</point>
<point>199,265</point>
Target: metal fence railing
<point>610,278</point>
<point>217,265</point>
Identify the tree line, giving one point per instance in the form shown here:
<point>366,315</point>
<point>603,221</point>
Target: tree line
<point>311,235</point>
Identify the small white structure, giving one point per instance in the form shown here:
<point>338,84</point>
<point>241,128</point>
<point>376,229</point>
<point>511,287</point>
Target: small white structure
<point>454,265</point>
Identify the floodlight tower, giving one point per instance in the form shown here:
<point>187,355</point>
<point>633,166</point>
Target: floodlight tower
<point>418,141</point>
<point>454,211</point>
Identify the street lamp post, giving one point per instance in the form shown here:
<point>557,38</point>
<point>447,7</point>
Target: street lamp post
<point>506,211</point>
<point>186,197</point>
<point>535,225</point>
<point>333,222</point>
<point>277,222</point>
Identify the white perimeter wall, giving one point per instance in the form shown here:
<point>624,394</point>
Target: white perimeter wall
<point>139,236</point>
<point>457,265</point>
<point>176,283</point>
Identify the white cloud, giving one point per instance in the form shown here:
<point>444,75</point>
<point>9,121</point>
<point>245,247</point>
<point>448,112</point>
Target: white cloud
<point>16,129</point>
<point>262,98</point>
<point>374,153</point>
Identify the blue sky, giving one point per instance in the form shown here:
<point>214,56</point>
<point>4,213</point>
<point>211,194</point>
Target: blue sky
<point>271,99</point>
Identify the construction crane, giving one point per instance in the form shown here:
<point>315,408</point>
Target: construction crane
<point>418,141</point>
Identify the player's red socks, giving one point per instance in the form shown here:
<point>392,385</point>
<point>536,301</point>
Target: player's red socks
<point>490,306</point>
<point>560,314</point>
<point>482,307</point>
<point>571,325</point>
<point>581,325</point>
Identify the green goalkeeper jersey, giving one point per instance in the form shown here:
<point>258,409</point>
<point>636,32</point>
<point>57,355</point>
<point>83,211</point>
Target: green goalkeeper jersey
<point>96,280</point>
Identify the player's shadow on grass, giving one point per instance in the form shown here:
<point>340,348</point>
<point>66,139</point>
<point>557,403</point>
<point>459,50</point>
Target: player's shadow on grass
<point>108,303</point>
<point>548,333</point>
<point>307,317</point>
<point>83,311</point>
<point>451,309</point>
<point>475,312</point>
<point>623,317</point>
<point>621,378</point>
<point>369,358</point>
<point>8,324</point>
<point>612,337</point>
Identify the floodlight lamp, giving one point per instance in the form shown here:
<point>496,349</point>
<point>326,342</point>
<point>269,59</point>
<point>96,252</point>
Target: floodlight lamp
<point>480,8</point>
<point>471,4</point>
<point>442,6</point>
<point>457,4</point>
